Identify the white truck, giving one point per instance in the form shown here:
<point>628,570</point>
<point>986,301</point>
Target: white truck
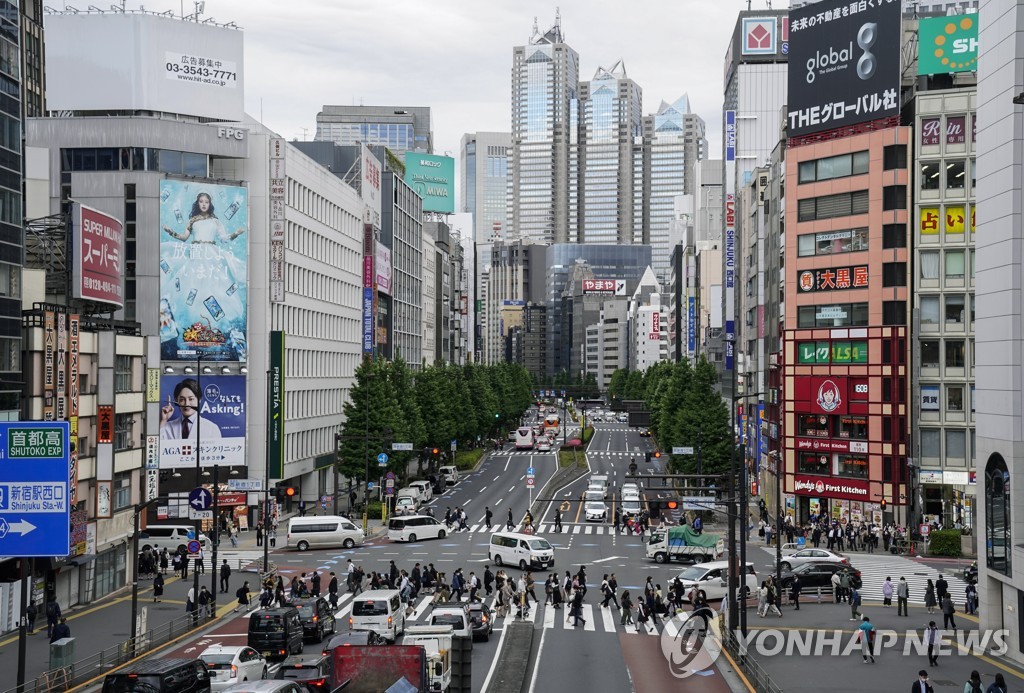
<point>683,543</point>
<point>436,642</point>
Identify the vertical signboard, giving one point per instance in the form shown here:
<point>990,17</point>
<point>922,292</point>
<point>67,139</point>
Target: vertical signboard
<point>277,223</point>
<point>215,420</point>
<point>691,326</point>
<point>383,268</point>
<point>152,467</point>
<point>947,44</point>
<point>369,294</point>
<point>74,324</point>
<point>730,237</point>
<point>49,365</point>
<point>97,272</point>
<point>62,364</point>
<point>203,271</point>
<point>275,407</point>
<point>369,188</point>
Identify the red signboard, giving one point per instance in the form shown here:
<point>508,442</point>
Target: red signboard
<point>831,487</point>
<point>105,424</point>
<point>833,278</point>
<point>822,395</point>
<point>930,131</point>
<point>98,267</point>
<point>956,129</point>
<point>831,445</point>
<point>225,499</point>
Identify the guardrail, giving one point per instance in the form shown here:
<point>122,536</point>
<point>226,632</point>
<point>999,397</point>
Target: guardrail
<point>100,663</point>
<point>757,676</point>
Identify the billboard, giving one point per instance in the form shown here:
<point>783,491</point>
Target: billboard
<point>729,256</point>
<point>383,268</point>
<point>143,62</point>
<point>97,270</point>
<point>275,407</point>
<point>833,278</point>
<point>947,44</point>
<point>433,179</point>
<point>844,65</point>
<point>216,420</point>
<point>605,287</point>
<point>758,35</point>
<point>369,188</point>
<point>203,271</point>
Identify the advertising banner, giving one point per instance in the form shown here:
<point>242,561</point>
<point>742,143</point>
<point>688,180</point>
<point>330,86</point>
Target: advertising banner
<point>834,352</point>
<point>216,420</point>
<point>850,489</point>
<point>383,268</point>
<point>369,188</point>
<point>433,179</point>
<point>275,407</point>
<point>929,224</point>
<point>605,287</point>
<point>931,129</point>
<point>759,36</point>
<point>691,326</point>
<point>655,332</point>
<point>831,445</point>
<point>955,217</point>
<point>203,271</point>
<point>367,320</point>
<point>929,398</point>
<point>844,64</point>
<point>97,269</point>
<point>822,395</point>
<point>833,279</point>
<point>947,44</point>
<point>74,324</point>
<point>729,258</point>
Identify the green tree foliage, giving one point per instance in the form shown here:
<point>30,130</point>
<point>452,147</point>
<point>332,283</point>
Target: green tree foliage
<point>617,384</point>
<point>373,418</point>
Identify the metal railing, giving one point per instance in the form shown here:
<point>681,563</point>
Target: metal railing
<point>757,676</point>
<point>100,663</point>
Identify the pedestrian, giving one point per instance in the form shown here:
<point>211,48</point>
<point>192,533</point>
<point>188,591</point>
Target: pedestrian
<point>902,595</point>
<point>488,580</point>
<point>971,592</point>
<point>259,533</point>
<point>302,508</point>
<point>941,588</point>
<point>922,685</point>
<point>627,609</point>
<point>794,592</point>
<point>225,574</point>
<point>973,684</point>
<point>332,586</point>
<point>762,598</point>
<point>837,589</point>
<point>844,586</point>
<point>184,566</point>
<point>947,612</point>
<point>273,536</point>
<point>887,593</point>
<point>509,524</point>
<point>52,617</point>
<point>233,535</point>
<point>31,613</point>
<point>316,584</point>
<point>854,604</point>
<point>60,631</point>
<point>530,584</point>
<point>242,593</point>
<point>929,597</point>
<point>998,685</point>
<point>577,609</point>
<point>205,602</point>
<point>488,516</point>
<point>867,640</point>
<point>616,520</point>
<point>474,587</point>
<point>190,600</point>
<point>158,587</point>
<point>200,564</point>
<point>558,520</point>
<point>773,598</point>
<point>932,639</point>
<point>163,562</point>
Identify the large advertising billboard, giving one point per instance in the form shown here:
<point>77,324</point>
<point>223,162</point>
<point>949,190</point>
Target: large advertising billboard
<point>947,44</point>
<point>203,271</point>
<point>382,268</point>
<point>844,64</point>
<point>433,179</point>
<point>143,62</point>
<point>215,421</point>
<point>369,188</point>
<point>97,267</point>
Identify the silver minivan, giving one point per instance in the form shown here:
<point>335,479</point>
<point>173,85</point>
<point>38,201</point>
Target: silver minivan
<point>315,531</point>
<point>170,537</point>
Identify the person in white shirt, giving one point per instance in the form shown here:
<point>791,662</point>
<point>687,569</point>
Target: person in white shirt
<point>186,399</point>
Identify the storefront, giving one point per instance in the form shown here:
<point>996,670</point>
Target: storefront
<point>843,500</point>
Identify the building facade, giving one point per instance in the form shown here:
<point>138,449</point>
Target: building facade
<point>402,231</point>
<point>399,128</point>
<point>483,170</point>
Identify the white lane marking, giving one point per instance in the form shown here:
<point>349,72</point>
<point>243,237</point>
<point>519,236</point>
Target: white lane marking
<point>549,618</point>
<point>507,462</point>
<point>607,618</point>
<point>499,502</point>
<point>482,490</point>
<point>536,660</point>
<point>576,529</point>
<point>497,477</point>
<point>588,617</point>
<point>602,560</point>
<point>420,608</point>
<point>494,663</point>
<point>588,529</point>
<point>511,489</point>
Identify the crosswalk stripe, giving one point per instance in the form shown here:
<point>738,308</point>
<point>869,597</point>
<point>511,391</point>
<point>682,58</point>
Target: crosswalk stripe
<point>475,528</point>
<point>607,618</point>
<point>588,529</point>
<point>651,628</point>
<point>588,617</point>
<point>549,618</point>
<point>420,609</point>
<point>576,529</point>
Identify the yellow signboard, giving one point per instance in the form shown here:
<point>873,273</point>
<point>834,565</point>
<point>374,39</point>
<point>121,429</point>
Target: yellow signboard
<point>929,224</point>
<point>955,217</point>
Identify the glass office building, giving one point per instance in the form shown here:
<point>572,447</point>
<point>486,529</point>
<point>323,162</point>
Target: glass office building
<point>399,128</point>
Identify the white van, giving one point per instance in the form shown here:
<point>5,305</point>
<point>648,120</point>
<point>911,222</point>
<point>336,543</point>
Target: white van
<point>380,611</point>
<point>523,550</point>
<point>413,527</point>
<point>406,505</point>
<point>410,491</point>
<point>449,474</point>
<point>170,537</point>
<point>425,489</point>
<point>318,531</point>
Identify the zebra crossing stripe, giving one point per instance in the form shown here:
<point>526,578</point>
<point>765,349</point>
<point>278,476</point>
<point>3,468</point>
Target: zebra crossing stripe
<point>549,618</point>
<point>588,617</point>
<point>420,609</point>
<point>607,619</point>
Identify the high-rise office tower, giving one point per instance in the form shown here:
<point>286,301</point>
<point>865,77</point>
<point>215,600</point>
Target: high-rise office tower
<point>545,80</point>
<point>607,123</point>
<point>483,165</point>
<point>399,128</point>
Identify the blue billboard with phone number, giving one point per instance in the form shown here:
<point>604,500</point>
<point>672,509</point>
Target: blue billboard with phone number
<point>203,271</point>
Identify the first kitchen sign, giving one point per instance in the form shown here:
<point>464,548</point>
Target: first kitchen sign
<point>831,487</point>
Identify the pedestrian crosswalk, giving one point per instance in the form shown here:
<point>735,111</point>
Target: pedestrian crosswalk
<point>545,529</point>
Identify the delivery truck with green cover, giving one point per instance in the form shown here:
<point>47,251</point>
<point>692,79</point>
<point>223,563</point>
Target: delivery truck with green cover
<point>683,542</point>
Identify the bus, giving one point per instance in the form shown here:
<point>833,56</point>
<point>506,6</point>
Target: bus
<point>551,422</point>
<point>524,438</point>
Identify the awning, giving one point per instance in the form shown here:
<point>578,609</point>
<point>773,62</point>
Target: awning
<point>82,560</point>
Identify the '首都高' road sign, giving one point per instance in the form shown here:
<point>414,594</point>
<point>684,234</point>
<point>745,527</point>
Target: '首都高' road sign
<point>34,477</point>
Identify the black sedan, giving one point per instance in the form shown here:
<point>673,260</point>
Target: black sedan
<point>818,575</point>
<point>482,619</point>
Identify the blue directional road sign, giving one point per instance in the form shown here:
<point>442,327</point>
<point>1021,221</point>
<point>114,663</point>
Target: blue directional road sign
<point>200,499</point>
<point>382,459</point>
<point>529,471</point>
<point>35,467</point>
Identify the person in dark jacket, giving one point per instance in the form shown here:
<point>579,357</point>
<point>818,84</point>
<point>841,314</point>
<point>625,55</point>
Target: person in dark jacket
<point>31,612</point>
<point>794,592</point>
<point>158,587</point>
<point>52,616</point>
<point>225,573</point>
<point>61,630</point>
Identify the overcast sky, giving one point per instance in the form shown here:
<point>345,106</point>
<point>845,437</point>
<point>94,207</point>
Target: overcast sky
<point>456,55</point>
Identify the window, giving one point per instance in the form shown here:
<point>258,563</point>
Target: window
<point>955,174</point>
<point>853,466</point>
<point>813,463</point>
<point>974,174</point>
<point>894,312</point>
<point>954,353</point>
<point>853,427</point>
<point>832,206</point>
<point>955,264</point>
<point>954,308</point>
<point>894,236</point>
<point>894,274</point>
<point>832,242</point>
<point>929,264</point>
<point>956,443</point>
<point>123,424</point>
<point>954,398</point>
<point>930,354</point>
<point>930,442</point>
<point>894,197</point>
<point>813,426</point>
<point>834,167</point>
<point>997,515</point>
<point>835,315</point>
<point>122,491</point>
<point>123,374</point>
<point>894,156</point>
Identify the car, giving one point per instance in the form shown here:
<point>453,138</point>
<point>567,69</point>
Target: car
<point>630,488</point>
<point>630,507</point>
<point>454,614</point>
<point>512,436</point>
<point>406,505</point>
<point>413,527</point>
<point>710,579</point>
<point>645,432</point>
<point>317,618</point>
<point>231,664</point>
<point>593,494</point>
<point>311,670</point>
<point>596,511</point>
<point>354,638</point>
<point>796,558</point>
<point>544,446</point>
<point>170,675</point>
<point>482,618</point>
<point>815,574</point>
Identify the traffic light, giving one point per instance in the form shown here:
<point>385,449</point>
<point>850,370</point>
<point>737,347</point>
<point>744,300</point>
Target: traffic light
<point>497,415</point>
<point>671,505</point>
<point>289,491</point>
<point>657,455</point>
<point>884,503</point>
<point>435,452</point>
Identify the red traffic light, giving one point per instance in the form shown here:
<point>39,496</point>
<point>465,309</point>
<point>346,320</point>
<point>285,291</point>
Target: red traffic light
<point>290,491</point>
<point>671,505</point>
<point>657,454</point>
<point>884,503</point>
<point>435,452</point>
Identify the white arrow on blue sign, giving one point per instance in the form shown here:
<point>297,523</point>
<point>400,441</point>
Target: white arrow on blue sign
<point>200,499</point>
<point>529,471</point>
<point>382,459</point>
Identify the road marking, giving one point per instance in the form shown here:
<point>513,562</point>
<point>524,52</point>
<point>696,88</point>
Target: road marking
<point>494,663</point>
<point>607,618</point>
<point>511,489</point>
<point>496,478</point>
<point>576,529</point>
<point>610,558</point>
<point>588,618</point>
<point>506,464</point>
<point>536,660</point>
<point>549,619</point>
<point>499,502</point>
<point>482,490</point>
<point>420,608</point>
<point>588,529</point>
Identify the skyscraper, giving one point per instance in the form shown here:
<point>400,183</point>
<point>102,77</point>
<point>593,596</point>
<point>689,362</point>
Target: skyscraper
<point>545,81</point>
<point>399,128</point>
<point>483,164</point>
<point>603,178</point>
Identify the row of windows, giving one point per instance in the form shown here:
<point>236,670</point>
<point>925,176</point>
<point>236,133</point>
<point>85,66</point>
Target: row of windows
<point>832,167</point>
<point>846,427</point>
<point>951,171</point>
<point>953,309</point>
<point>849,314</point>
<point>302,322</point>
<point>134,159</point>
<point>305,404</point>
<point>849,204</point>
<point>849,466</point>
<point>316,206</point>
<point>951,352</point>
<point>953,400</point>
<point>955,439</point>
<point>954,264</point>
